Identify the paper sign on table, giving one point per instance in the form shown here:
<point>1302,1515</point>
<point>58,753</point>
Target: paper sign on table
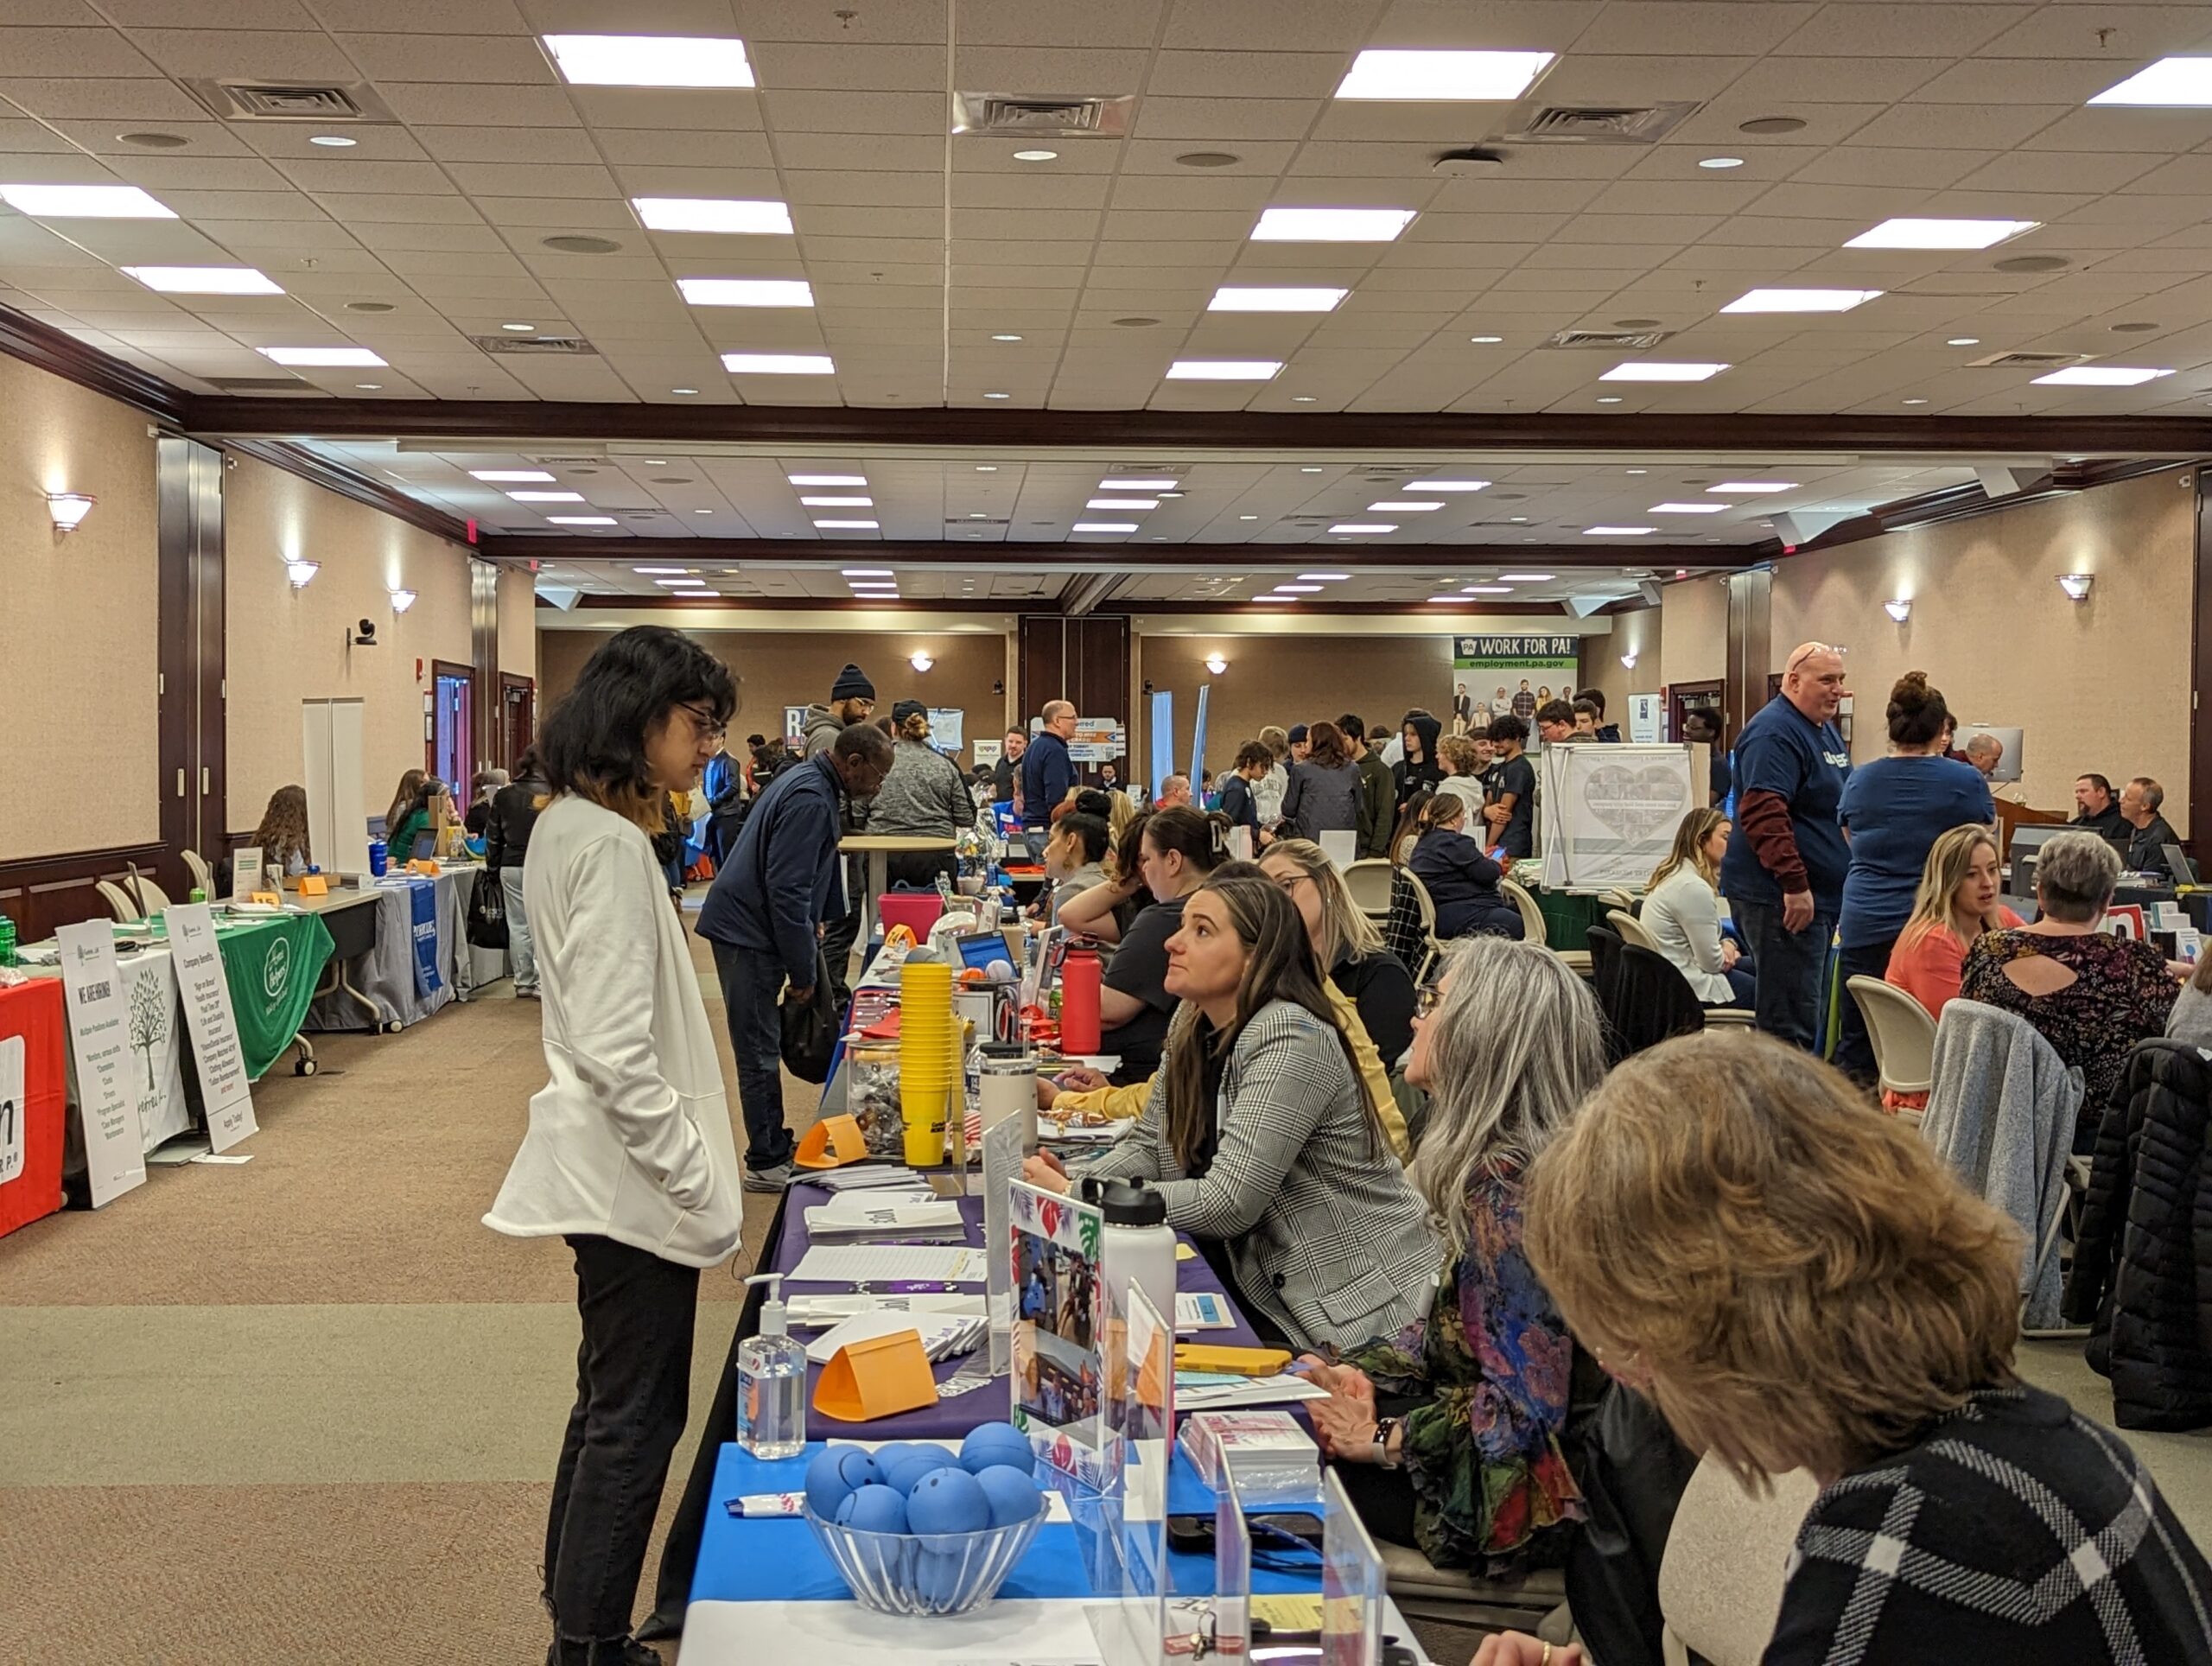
<point>876,1377</point>
<point>93,992</point>
<point>224,1093</point>
<point>245,872</point>
<point>15,1107</point>
<point>314,885</point>
<point>831,1142</point>
<point>1341,848</point>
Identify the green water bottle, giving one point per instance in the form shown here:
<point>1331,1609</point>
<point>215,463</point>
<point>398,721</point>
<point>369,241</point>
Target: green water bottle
<point>198,896</point>
<point>7,941</point>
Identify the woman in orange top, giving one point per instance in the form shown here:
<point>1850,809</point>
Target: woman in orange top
<point>1955,904</point>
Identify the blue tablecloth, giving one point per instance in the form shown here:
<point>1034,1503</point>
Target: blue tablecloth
<point>780,1560</point>
<point>947,1419</point>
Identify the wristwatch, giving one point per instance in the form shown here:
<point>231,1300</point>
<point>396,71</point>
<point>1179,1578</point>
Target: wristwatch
<point>1384,1428</point>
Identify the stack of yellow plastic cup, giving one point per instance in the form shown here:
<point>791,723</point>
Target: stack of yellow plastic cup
<point>929,1056</point>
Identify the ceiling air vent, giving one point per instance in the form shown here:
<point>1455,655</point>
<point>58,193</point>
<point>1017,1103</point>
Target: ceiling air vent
<point>2029,360</point>
<point>1040,116</point>
<point>558,459</point>
<point>260,384</point>
<point>1600,124</point>
<point>1611,340</point>
<point>540,345</point>
<point>241,99</point>
<point>972,525</point>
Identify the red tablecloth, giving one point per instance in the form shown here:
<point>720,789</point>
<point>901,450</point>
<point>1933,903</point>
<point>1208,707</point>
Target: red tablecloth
<point>32,1011</point>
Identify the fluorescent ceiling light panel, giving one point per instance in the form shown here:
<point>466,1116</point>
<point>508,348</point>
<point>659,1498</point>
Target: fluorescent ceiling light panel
<point>2171,83</point>
<point>846,525</point>
<point>778,364</point>
<point>1231,298</point>
<point>650,571</point>
<point>510,474</point>
<point>1347,528</point>
<point>1786,300</point>
<point>1136,486</point>
<point>1330,224</point>
<point>1753,487</point>
<point>1224,370</point>
<point>1321,578</point>
<point>1686,508</point>
<point>547,497</point>
<point>1409,505</point>
<point>757,218</point>
<point>1912,233</point>
<point>1434,601</point>
<point>1104,526</point>
<point>1298,589</point>
<point>827,479</point>
<point>1490,589</point>
<point>203,280</point>
<point>312,356</point>
<point>1526,578</point>
<point>746,291</point>
<point>2099,376</point>
<point>1122,503</point>
<point>680,583</point>
<point>864,572</point>
<point>650,61</point>
<point>838,503</point>
<point>1653,370</point>
<point>1617,531</point>
<point>580,521</point>
<point>1446,485</point>
<point>83,202</point>
<point>1440,76</point>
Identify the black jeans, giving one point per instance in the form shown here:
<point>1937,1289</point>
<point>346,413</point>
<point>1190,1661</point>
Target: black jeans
<point>633,1389</point>
<point>1790,963</point>
<point>753,983</point>
<point>1854,1047</point>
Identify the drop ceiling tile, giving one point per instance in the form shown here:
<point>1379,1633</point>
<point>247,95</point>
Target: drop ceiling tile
<point>201,206</point>
<point>135,100</point>
<point>2087,171</point>
<point>1874,165</point>
<point>800,111</point>
<point>310,236</point>
<point>531,219</point>
<point>349,205</point>
<point>2167,131</point>
<point>457,104</point>
<point>1671,27</point>
<point>202,137</point>
<point>1984,127</point>
<point>381,236</point>
<point>72,52</point>
<point>415,16</point>
<point>1219,120</point>
<point>480,59</point>
<point>520,180</point>
<point>1209,75</point>
<point>394,178</point>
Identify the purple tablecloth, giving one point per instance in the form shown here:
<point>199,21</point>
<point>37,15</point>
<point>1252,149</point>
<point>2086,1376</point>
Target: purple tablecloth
<point>947,1419</point>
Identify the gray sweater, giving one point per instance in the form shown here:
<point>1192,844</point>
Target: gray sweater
<point>923,797</point>
<point>1322,800</point>
<point>2192,1018</point>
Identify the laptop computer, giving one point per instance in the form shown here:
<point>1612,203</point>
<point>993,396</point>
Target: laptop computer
<point>2178,864</point>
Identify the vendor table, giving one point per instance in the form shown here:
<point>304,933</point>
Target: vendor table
<point>1568,915</point>
<point>379,984</point>
<point>878,847</point>
<point>32,1095</point>
<point>352,917</point>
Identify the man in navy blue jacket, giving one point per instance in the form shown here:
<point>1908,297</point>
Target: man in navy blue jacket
<point>1047,772</point>
<point>763,916</point>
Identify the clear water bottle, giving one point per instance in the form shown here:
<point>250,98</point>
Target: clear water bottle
<point>772,1382</point>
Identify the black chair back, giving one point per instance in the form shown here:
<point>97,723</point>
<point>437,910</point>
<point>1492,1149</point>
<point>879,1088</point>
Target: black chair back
<point>1606,946</point>
<point>1655,1001</point>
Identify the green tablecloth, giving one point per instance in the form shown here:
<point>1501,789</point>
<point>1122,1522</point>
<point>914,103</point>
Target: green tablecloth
<point>272,966</point>
<point>1568,916</point>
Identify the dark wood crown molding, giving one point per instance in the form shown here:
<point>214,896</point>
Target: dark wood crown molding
<point>349,483</point>
<point>58,352</point>
<point>1088,555</point>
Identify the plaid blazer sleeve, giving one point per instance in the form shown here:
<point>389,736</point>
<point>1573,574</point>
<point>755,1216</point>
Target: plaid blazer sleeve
<point>1141,1153</point>
<point>1283,1088</point>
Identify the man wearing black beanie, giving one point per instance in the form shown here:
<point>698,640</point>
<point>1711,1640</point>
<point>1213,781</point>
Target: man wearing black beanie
<point>852,700</point>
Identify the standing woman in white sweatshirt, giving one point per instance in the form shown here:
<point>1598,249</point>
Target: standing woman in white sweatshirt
<point>629,1154</point>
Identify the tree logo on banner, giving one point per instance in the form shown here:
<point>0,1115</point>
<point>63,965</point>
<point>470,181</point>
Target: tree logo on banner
<point>276,971</point>
<point>150,1021</point>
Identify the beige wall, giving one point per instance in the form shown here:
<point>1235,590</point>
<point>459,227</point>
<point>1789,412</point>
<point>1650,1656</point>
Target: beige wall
<point>1694,646</point>
<point>795,668</point>
<point>518,622</point>
<point>1638,632</point>
<point>79,617</point>
<point>287,645</point>
<point>1992,630</point>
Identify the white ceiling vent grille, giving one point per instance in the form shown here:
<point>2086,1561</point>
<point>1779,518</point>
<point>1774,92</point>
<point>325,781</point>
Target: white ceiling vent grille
<point>260,384</point>
<point>241,99</point>
<point>1611,340</point>
<point>1040,116</point>
<point>1600,124</point>
<point>560,459</point>
<point>542,346</point>
<point>2029,360</point>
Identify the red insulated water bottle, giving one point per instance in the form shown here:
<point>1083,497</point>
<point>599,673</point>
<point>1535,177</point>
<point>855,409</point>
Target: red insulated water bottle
<point>1079,1032</point>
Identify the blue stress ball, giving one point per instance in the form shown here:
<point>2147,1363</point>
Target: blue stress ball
<point>988,1445</point>
<point>834,1474</point>
<point>937,1577</point>
<point>1012,1494</point>
<point>946,1502</point>
<point>902,1473</point>
<point>874,1509</point>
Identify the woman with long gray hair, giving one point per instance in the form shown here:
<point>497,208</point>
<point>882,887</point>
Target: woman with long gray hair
<point>1447,1436</point>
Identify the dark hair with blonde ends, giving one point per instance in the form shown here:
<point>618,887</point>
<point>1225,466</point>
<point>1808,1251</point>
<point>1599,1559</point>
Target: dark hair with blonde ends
<point>1806,1282</point>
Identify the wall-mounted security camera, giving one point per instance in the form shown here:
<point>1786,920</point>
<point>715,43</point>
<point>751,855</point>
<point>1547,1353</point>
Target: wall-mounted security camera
<point>363,635</point>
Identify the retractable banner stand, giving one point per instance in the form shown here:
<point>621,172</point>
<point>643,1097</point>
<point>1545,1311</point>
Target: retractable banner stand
<point>1198,743</point>
<point>1610,813</point>
<point>226,1093</point>
<point>94,992</point>
<point>1160,729</point>
<point>1491,675</point>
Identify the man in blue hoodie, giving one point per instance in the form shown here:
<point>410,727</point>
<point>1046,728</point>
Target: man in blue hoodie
<point>763,916</point>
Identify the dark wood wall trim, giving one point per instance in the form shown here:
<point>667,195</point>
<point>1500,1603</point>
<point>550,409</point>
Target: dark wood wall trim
<point>1080,557</point>
<point>34,343</point>
<point>347,483</point>
<point>2200,666</point>
<point>43,893</point>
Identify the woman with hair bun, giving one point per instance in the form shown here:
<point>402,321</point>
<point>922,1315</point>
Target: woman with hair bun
<point>923,798</point>
<point>1893,811</point>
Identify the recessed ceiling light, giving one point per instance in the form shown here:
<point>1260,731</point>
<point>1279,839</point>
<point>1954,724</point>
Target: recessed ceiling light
<point>547,497</point>
<point>682,390</point>
<point>838,503</point>
<point>1434,601</point>
<point>1686,508</point>
<point>518,329</point>
<point>1490,589</point>
<point>702,511</point>
<point>1438,76</point>
<point>846,525</point>
<point>1347,528</point>
<point>778,364</point>
<point>1309,469</point>
<point>680,583</point>
<point>1006,338</point>
<point>1609,399</point>
<point>1104,526</point>
<point>1036,155</point>
<point>979,514</point>
<point>1298,589</point>
<point>1322,578</point>
<point>203,280</point>
<point>1963,342</point>
<point>1486,341</point>
<point>332,141</point>
<point>1248,518</point>
<point>580,521</point>
<point>751,216</point>
<point>746,291</point>
<point>1408,505</point>
<point>155,141</point>
<point>1617,531</point>
<point>2099,376</point>
<point>1660,370</point>
<point>1914,233</point>
<point>1518,520</point>
<point>1224,370</point>
<point>827,479</point>
<point>650,61</point>
<point>1305,398</point>
<point>510,474</point>
<point>1330,224</point>
<point>650,571</point>
<point>369,387</point>
<point>998,396</point>
<point>1122,503</point>
<point>1137,486</point>
<point>1753,488</point>
<point>2171,83</point>
<point>1250,298</point>
<point>360,357</point>
<point>1914,402</point>
<point>84,202</point>
<point>1528,578</point>
<point>1720,162</point>
<point>1808,301</point>
<point>864,572</point>
<point>1446,485</point>
<point>987,468</point>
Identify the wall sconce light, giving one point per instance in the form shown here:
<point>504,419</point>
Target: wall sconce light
<point>1215,664</point>
<point>921,660</point>
<point>68,509</point>
<point>402,601</point>
<point>1628,662</point>
<point>300,572</point>
<point>2076,585</point>
<point>1900,610</point>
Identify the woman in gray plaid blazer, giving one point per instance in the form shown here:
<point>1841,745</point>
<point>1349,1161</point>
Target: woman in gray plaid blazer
<point>1259,1132</point>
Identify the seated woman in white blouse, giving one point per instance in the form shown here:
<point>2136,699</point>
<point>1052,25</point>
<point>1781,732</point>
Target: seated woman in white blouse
<point>1681,911</point>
